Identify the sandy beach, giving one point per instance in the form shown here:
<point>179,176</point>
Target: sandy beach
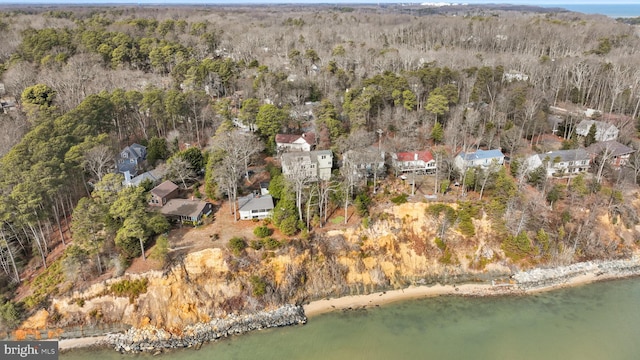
<point>380,298</point>
<point>68,344</point>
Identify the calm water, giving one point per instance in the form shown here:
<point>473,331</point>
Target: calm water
<point>611,10</point>
<point>599,321</point>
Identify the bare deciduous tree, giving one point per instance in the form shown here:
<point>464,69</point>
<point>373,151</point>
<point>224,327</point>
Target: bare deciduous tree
<point>98,160</point>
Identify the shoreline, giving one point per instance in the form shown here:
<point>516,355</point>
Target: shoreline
<point>354,302</point>
<point>523,283</point>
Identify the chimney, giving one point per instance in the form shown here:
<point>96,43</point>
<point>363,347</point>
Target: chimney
<point>415,156</point>
<point>127,177</point>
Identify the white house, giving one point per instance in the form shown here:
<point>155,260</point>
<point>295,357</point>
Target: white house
<point>255,207</point>
<point>513,75</point>
<point>560,163</point>
<point>418,161</point>
<point>291,142</point>
<point>478,158</point>
<point>311,165</point>
<point>604,131</point>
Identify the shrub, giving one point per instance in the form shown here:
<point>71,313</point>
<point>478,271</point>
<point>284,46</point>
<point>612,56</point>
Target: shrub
<point>256,244</point>
<point>400,199</point>
<point>44,285</point>
<point>10,315</point>
<point>289,226</point>
<point>447,258</point>
<point>237,245</point>
<point>517,247</point>
<point>259,285</point>
<point>271,243</point>
<point>262,231</point>
<point>440,244</point>
<point>129,288</point>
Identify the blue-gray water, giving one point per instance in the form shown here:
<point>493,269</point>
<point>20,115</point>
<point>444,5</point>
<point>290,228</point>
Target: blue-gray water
<point>598,321</point>
<point>611,10</point>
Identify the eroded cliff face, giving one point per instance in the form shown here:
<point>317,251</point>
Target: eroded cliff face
<point>399,248</point>
<point>190,292</point>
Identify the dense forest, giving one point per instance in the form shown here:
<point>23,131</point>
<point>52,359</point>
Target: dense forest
<point>79,84</point>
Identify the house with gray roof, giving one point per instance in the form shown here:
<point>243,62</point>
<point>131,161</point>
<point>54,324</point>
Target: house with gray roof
<point>480,158</point>
<point>130,159</point>
<point>617,154</point>
<point>561,163</point>
<point>255,207</point>
<point>186,210</point>
<point>154,176</point>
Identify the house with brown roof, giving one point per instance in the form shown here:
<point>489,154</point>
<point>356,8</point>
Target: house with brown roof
<point>162,193</point>
<point>291,142</point>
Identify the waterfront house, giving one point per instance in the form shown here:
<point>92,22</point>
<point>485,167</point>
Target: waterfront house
<point>255,207</point>
<point>367,161</point>
<point>310,165</point>
<point>186,210</point>
<point>617,154</point>
<point>480,158</point>
<point>414,161</point>
<point>561,163</point>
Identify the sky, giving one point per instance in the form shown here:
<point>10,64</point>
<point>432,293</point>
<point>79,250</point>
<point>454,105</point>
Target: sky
<point>518,2</point>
